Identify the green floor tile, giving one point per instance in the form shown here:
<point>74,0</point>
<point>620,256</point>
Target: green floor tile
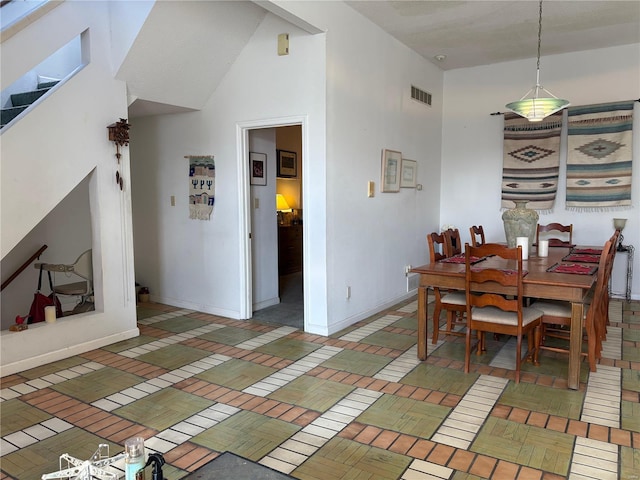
<point>180,324</point>
<point>345,459</point>
<point>99,384</point>
<point>537,398</point>
<point>629,463</point>
<point>631,335</point>
<point>247,434</point>
<point>142,313</point>
<point>230,335</point>
<point>32,462</point>
<point>17,415</point>
<point>412,417</point>
<point>410,323</point>
<point>630,353</point>
<point>163,409</point>
<point>236,374</point>
<point>440,379</point>
<point>630,416</point>
<point>288,348</point>
<point>53,367</point>
<point>173,356</point>
<point>391,340</point>
<point>361,363</point>
<point>631,380</point>
<point>534,447</point>
<point>128,344</point>
<point>312,393</point>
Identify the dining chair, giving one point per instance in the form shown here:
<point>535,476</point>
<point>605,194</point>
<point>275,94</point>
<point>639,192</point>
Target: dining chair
<point>453,245</point>
<point>556,318</point>
<point>452,302</point>
<point>554,241</point>
<point>501,313</point>
<point>477,236</point>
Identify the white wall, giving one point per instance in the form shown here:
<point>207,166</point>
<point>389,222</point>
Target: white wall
<point>195,263</point>
<point>45,156</point>
<point>472,138</point>
<point>371,240</point>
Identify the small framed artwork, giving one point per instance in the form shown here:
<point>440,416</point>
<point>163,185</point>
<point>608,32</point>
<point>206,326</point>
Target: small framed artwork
<point>409,176</point>
<point>287,164</point>
<point>391,163</point>
<point>258,165</point>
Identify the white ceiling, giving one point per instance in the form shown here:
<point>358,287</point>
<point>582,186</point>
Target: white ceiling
<point>479,32</point>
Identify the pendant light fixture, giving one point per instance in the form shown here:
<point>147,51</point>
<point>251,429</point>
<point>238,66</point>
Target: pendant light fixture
<point>533,106</point>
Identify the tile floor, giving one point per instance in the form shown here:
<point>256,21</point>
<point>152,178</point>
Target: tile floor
<point>356,405</point>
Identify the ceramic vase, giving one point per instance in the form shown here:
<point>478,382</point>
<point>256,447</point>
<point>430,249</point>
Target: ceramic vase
<point>520,222</point>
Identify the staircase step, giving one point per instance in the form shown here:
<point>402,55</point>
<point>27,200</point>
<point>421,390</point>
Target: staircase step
<point>8,114</point>
<point>27,98</point>
<point>47,84</point>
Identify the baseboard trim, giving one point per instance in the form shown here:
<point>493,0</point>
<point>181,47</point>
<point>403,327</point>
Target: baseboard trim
<point>33,362</point>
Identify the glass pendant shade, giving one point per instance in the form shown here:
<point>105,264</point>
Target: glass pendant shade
<point>536,108</point>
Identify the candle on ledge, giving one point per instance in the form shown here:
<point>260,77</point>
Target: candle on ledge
<point>50,314</point>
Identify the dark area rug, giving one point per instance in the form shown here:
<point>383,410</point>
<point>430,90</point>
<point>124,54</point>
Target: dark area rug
<point>229,465</point>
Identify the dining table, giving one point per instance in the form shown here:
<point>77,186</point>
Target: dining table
<point>539,283</point>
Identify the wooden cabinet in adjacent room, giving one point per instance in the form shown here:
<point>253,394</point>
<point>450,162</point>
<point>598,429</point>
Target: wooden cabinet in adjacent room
<point>289,249</point>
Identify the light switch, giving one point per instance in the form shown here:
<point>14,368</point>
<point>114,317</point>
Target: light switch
<point>371,188</point>
<point>173,200</point>
<point>256,203</point>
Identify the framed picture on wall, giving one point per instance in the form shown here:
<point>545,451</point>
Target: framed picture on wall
<point>391,164</point>
<point>287,164</point>
<point>258,166</point>
<point>409,174</point>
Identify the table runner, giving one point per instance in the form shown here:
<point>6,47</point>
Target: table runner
<point>574,268</point>
<point>599,156</point>
<point>581,258</point>
<point>587,251</point>
<point>461,259</point>
<point>531,161</point>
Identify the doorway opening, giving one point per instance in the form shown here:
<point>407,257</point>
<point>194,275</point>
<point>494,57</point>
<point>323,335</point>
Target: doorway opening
<point>274,286</point>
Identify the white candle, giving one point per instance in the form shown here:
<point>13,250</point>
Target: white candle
<point>524,243</point>
<point>543,248</point>
<point>50,314</point>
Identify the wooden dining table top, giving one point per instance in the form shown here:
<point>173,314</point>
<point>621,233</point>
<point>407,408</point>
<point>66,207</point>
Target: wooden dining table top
<point>545,284</point>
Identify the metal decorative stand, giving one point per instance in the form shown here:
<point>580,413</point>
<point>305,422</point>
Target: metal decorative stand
<point>628,249</point>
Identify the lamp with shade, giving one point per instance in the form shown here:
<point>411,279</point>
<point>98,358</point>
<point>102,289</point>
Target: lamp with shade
<point>619,224</point>
<point>281,207</point>
<point>538,103</point>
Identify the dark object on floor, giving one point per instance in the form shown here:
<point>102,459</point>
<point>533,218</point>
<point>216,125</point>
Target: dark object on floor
<point>230,465</point>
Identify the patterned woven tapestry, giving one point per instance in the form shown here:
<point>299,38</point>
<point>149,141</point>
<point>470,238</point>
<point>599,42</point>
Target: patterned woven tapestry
<point>599,157</point>
<point>202,186</point>
<point>531,161</point>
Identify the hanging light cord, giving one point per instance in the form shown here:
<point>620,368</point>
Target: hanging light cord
<point>539,36</point>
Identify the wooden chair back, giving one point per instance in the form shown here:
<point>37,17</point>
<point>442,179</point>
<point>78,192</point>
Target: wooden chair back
<point>556,227</point>
<point>512,298</point>
<point>437,247</point>
<point>453,245</point>
<point>477,236</point>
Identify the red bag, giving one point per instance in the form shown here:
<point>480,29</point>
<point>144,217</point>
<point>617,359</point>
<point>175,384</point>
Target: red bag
<point>36,313</point>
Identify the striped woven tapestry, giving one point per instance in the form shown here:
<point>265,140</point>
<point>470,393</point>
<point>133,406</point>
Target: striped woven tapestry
<point>531,161</point>
<point>599,157</point>
<point>202,186</point>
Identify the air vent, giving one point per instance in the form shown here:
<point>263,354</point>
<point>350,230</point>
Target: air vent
<point>420,95</point>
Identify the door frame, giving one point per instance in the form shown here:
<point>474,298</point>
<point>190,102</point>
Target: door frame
<point>244,203</point>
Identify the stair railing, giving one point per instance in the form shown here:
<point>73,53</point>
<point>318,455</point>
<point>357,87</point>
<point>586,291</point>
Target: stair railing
<point>23,266</point>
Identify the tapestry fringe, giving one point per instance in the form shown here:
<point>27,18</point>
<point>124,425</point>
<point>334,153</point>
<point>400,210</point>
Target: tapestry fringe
<point>619,208</point>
